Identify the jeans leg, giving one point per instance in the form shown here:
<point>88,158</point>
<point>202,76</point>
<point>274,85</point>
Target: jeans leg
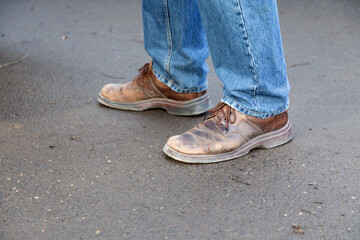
<point>175,39</point>
<point>246,47</point>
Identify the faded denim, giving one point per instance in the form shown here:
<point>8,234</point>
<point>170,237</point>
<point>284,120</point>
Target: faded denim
<point>245,44</point>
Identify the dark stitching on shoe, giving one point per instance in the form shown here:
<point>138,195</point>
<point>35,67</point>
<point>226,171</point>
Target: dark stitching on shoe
<point>152,83</point>
<point>241,134</point>
<point>254,126</point>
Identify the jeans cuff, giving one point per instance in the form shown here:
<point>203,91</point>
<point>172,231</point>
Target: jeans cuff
<point>170,83</point>
<point>249,112</point>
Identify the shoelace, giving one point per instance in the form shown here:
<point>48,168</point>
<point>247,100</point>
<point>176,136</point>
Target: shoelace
<point>143,70</point>
<point>219,109</point>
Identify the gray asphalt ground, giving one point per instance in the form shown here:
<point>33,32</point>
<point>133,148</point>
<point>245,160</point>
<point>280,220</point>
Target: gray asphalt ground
<point>72,169</point>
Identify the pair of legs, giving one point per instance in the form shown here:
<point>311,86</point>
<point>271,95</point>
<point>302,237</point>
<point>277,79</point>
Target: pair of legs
<point>244,40</point>
<point>245,44</point>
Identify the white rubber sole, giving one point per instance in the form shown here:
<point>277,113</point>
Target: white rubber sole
<point>186,108</point>
<point>268,140</point>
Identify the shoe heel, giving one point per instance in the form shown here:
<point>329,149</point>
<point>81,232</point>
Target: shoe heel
<point>189,108</point>
<point>278,138</point>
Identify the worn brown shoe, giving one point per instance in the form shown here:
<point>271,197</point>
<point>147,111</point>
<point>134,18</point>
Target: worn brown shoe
<point>146,92</point>
<point>226,134</point>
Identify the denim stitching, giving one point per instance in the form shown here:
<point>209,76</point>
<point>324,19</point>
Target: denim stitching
<point>231,101</point>
<point>158,72</point>
<point>169,39</point>
<point>170,83</point>
<point>247,40</point>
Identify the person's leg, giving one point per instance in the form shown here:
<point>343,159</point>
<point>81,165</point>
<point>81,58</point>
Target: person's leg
<point>246,48</point>
<point>174,38</point>
<point>176,78</point>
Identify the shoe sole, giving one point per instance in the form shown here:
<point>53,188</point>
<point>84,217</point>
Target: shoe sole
<point>185,108</point>
<point>268,140</point>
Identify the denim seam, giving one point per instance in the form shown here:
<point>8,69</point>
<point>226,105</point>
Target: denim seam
<point>170,83</point>
<point>248,43</point>
<point>253,112</point>
<point>158,72</point>
<point>169,38</point>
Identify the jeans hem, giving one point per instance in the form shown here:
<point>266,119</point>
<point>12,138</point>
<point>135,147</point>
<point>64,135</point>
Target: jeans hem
<point>170,83</point>
<point>246,111</point>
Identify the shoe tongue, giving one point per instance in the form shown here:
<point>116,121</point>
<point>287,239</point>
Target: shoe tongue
<point>210,124</point>
<point>218,113</point>
<point>224,112</point>
<point>220,110</point>
<point>145,68</point>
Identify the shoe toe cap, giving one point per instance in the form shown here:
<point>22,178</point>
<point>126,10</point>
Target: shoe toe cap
<point>185,143</point>
<point>107,89</point>
<point>110,91</point>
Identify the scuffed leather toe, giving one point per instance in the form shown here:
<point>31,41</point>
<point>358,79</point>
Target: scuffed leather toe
<point>108,91</point>
<point>185,143</point>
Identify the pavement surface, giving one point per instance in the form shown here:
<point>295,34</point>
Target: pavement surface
<point>72,169</point>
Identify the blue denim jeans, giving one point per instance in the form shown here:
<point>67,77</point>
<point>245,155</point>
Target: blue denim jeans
<point>243,37</point>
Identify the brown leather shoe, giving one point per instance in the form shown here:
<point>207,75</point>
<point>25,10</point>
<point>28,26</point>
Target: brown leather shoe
<point>226,134</point>
<point>146,92</point>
